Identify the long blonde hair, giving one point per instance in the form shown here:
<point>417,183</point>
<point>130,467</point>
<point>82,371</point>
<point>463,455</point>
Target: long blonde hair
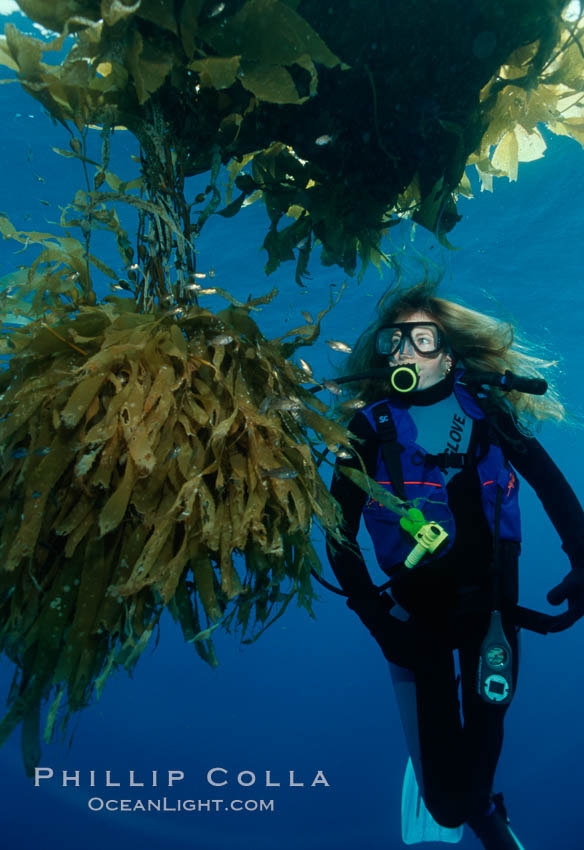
<point>480,343</point>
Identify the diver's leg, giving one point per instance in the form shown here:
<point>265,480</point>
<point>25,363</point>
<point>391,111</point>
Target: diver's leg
<point>428,703</point>
<point>483,724</point>
<point>404,686</point>
<point>483,736</point>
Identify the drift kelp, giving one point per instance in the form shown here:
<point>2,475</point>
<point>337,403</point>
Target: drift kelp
<point>339,132</point>
<point>140,455</point>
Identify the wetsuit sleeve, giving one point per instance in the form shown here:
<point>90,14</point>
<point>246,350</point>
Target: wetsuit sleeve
<point>561,504</point>
<point>346,559</point>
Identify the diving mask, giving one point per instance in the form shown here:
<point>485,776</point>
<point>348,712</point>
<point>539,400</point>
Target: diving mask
<point>425,338</point>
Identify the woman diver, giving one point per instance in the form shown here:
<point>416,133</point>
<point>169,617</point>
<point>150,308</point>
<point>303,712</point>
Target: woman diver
<point>450,448</point>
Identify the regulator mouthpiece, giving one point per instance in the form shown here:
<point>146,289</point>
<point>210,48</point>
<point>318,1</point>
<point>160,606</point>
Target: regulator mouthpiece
<point>404,378</point>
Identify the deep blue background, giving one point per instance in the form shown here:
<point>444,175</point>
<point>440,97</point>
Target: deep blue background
<point>315,694</point>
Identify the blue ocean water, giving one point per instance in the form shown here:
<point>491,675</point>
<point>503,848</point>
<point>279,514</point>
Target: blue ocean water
<point>313,697</point>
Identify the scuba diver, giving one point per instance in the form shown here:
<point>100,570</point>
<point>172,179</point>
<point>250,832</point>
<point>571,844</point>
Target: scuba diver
<point>448,449</point>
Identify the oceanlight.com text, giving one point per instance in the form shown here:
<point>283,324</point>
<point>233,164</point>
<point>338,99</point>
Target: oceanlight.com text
<point>99,804</point>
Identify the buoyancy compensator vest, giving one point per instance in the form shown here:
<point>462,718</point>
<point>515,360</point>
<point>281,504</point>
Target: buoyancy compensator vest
<point>423,484</point>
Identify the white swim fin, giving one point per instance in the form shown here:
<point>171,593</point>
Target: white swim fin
<point>417,823</point>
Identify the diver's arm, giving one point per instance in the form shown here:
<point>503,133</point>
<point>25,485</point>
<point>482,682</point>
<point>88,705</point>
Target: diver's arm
<point>396,639</point>
<point>561,504</point>
<point>346,558</point>
<point>565,512</point>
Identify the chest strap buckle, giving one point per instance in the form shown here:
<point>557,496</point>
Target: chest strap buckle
<point>447,460</point>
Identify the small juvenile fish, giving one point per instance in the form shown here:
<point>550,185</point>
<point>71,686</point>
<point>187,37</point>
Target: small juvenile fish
<point>353,404</point>
<point>335,448</point>
<point>73,277</point>
<point>286,404</point>
<point>199,274</point>
<point>216,10</point>
<point>343,454</point>
<point>332,387</point>
<point>323,140</point>
<point>307,316</point>
<point>221,339</point>
<point>305,367</point>
<point>133,267</point>
<point>173,453</point>
<point>206,291</point>
<point>279,472</point>
<point>122,284</point>
<point>336,345</point>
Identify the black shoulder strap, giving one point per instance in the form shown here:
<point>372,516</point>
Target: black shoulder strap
<point>391,449</point>
<point>493,416</point>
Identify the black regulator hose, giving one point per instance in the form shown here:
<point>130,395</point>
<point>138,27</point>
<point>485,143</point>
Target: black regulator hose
<point>506,382</point>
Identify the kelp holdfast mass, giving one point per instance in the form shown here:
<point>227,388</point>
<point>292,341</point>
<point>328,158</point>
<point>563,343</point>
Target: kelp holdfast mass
<point>141,453</point>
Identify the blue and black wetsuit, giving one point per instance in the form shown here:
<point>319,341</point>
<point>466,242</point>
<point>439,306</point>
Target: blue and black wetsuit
<point>445,604</point>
